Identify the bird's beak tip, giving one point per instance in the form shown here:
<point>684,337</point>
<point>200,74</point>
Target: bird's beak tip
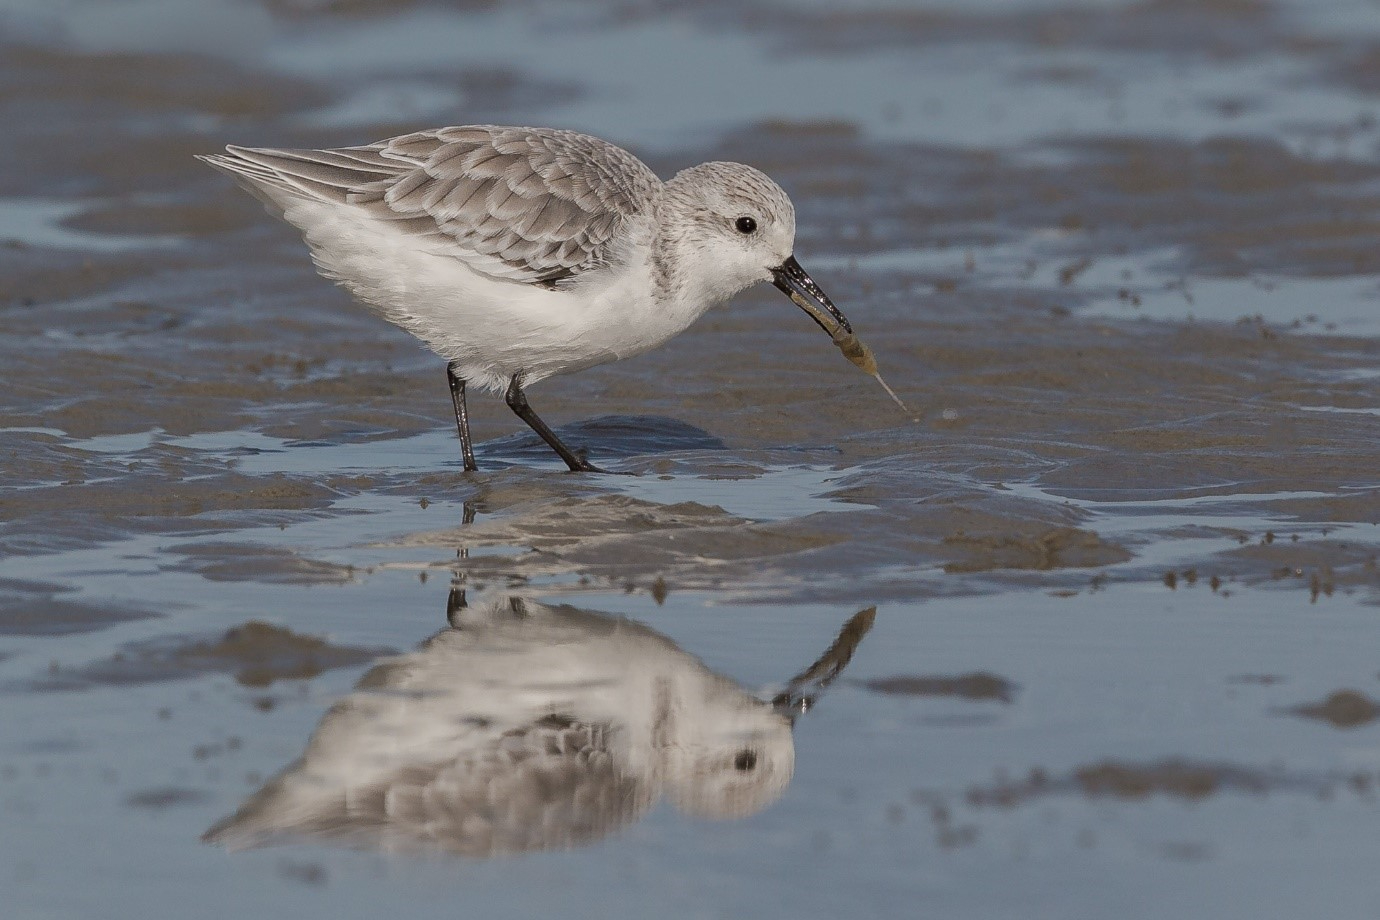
<point>793,281</point>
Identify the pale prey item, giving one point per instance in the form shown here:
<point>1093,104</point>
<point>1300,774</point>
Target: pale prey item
<point>522,253</point>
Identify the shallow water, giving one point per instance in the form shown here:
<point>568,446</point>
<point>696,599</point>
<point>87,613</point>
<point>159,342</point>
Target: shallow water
<point>1121,258</point>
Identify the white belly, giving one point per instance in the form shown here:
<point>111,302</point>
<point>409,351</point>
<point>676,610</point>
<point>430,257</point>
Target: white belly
<point>493,329</point>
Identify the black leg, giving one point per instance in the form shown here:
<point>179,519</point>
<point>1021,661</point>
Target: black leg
<point>517,401</point>
<point>462,417</point>
<point>455,603</point>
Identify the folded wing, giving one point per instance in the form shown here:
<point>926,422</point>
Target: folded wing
<point>530,205</point>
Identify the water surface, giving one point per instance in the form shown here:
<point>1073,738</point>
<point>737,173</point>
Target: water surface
<point>1120,256</point>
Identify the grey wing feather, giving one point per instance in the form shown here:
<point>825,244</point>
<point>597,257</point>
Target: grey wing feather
<point>551,785</point>
<point>545,788</point>
<point>532,205</point>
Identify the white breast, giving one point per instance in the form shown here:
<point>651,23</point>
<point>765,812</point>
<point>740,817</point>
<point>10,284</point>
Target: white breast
<point>494,329</point>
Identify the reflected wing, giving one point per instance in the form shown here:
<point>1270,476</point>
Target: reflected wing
<point>550,785</point>
<point>531,205</point>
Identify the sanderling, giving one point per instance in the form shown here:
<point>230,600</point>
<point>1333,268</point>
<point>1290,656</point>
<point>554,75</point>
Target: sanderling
<point>520,253</point>
<point>531,727</point>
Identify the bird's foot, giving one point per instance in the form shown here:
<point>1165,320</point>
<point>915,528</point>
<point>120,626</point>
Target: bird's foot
<point>582,465</point>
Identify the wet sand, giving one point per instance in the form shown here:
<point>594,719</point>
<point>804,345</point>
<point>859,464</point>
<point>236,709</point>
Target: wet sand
<point>1120,260</point>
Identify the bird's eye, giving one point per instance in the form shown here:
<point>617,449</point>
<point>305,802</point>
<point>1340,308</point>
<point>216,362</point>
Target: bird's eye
<point>745,760</point>
<point>745,224</point>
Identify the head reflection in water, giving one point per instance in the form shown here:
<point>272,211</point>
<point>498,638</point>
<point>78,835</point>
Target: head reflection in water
<point>531,727</point>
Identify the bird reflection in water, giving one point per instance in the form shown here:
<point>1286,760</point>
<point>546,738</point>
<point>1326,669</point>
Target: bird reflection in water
<point>528,727</point>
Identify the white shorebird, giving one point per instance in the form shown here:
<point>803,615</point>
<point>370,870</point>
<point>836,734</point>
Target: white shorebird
<point>521,253</point>
<point>530,727</point>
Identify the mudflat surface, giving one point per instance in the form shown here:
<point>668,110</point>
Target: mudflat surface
<point>1121,258</point>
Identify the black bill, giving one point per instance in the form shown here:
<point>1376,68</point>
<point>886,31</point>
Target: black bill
<point>802,290</point>
<point>803,690</point>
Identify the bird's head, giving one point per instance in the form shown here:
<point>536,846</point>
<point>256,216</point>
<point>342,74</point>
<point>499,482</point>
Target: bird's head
<point>731,757</point>
<point>732,226</point>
